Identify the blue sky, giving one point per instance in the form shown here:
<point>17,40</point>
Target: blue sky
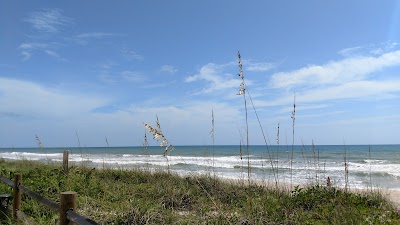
<point>101,68</point>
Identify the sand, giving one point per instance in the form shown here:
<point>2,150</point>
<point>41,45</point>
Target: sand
<point>393,196</point>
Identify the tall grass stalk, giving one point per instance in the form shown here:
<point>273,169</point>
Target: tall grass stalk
<point>287,148</point>
<point>306,161</point>
<point>108,149</point>
<point>212,138</point>
<point>242,91</point>
<point>241,154</point>
<point>108,145</point>
<point>315,162</point>
<point>265,136</point>
<point>370,169</point>
<point>41,147</point>
<point>293,122</point>
<point>277,154</point>
<point>79,145</point>
<point>159,136</point>
<point>145,144</point>
<point>319,167</point>
<point>163,141</point>
<point>346,170</point>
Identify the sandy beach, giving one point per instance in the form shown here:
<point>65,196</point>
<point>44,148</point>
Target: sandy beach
<point>393,196</point>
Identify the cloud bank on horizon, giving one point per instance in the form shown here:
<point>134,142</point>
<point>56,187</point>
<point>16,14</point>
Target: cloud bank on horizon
<point>65,69</point>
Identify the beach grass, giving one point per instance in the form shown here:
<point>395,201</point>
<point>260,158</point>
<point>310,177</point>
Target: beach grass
<point>110,196</point>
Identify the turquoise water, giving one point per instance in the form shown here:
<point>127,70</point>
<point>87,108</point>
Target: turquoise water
<point>368,166</point>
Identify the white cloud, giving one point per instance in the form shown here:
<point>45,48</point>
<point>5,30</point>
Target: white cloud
<point>107,65</point>
<point>169,69</point>
<point>28,49</point>
<point>131,55</point>
<point>85,38</point>
<point>26,55</point>
<point>54,114</point>
<point>258,67</point>
<point>190,122</point>
<point>124,76</point>
<point>52,53</point>
<point>29,46</point>
<point>34,100</point>
<point>96,35</point>
<point>216,78</point>
<point>48,20</point>
<point>336,72</point>
<point>351,90</point>
<point>303,107</point>
<point>350,51</point>
<point>133,76</point>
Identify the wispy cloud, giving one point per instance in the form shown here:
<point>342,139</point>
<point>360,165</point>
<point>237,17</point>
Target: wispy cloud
<point>94,35</point>
<point>26,55</point>
<point>303,107</point>
<point>131,55</point>
<point>352,90</point>
<point>347,52</point>
<point>358,77</point>
<point>169,69</point>
<point>258,67</point>
<point>48,20</point>
<point>85,38</point>
<point>216,78</point>
<point>29,99</point>
<point>133,76</point>
<point>178,118</point>
<point>372,49</point>
<point>124,76</point>
<point>53,54</point>
<point>107,65</point>
<point>27,50</point>
<point>361,90</point>
<point>336,72</point>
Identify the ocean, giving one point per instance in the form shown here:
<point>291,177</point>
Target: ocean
<point>375,166</point>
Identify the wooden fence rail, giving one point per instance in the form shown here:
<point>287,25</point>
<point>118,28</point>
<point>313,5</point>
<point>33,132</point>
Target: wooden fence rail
<point>66,207</point>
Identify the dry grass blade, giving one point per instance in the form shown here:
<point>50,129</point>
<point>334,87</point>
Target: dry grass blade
<point>293,120</point>
<point>41,146</point>
<point>242,91</point>
<point>39,142</point>
<point>159,136</point>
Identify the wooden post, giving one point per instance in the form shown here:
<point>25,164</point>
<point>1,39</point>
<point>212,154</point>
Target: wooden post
<point>65,162</point>
<point>17,194</point>
<point>67,202</point>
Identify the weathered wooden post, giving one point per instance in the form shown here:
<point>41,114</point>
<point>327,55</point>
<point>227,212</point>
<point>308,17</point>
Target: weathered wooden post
<point>65,162</point>
<point>17,194</point>
<point>67,202</point>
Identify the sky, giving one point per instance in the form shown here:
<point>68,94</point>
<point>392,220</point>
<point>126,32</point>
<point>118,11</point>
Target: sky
<point>83,72</point>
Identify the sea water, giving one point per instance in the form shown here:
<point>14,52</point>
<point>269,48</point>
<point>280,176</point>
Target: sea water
<point>354,166</point>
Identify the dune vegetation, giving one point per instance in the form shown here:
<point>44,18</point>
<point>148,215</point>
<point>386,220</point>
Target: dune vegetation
<point>110,196</point>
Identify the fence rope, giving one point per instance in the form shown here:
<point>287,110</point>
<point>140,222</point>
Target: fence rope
<point>71,215</point>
